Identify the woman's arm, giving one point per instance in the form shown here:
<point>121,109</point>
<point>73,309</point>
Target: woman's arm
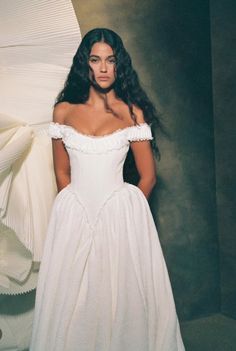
<point>145,164</point>
<point>144,160</point>
<point>60,156</point>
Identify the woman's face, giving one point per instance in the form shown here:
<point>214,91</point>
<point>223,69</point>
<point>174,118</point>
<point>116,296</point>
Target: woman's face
<point>102,62</point>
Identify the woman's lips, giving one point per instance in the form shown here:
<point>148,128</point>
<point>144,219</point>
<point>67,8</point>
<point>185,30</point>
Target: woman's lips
<point>103,78</point>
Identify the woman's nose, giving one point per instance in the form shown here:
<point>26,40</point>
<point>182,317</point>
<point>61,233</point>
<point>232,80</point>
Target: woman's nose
<point>103,67</point>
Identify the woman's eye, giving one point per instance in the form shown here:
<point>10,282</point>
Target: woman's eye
<point>112,60</point>
<point>96,60</point>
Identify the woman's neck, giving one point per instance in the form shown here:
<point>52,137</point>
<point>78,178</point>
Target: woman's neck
<point>97,98</point>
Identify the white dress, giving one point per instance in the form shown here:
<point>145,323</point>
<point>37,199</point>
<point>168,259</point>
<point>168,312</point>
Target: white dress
<point>103,283</point>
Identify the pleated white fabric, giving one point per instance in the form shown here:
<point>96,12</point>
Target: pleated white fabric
<point>38,39</point>
<point>103,282</point>
<point>37,42</point>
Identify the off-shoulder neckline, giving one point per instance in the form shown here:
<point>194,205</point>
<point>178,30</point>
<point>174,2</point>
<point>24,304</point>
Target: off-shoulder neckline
<point>98,136</point>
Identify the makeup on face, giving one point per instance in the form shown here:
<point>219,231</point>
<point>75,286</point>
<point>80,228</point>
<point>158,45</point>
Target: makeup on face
<point>102,62</point>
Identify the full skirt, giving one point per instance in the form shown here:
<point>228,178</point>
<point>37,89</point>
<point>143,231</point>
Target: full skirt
<point>104,287</point>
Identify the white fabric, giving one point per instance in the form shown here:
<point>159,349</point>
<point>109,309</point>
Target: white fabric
<point>103,282</point>
<point>38,39</point>
<point>26,194</point>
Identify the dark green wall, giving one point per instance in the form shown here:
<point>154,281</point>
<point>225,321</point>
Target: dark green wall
<point>170,46</point>
<point>223,29</point>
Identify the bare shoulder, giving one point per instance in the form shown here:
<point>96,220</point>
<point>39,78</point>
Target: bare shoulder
<point>139,114</point>
<point>123,109</point>
<point>60,112</point>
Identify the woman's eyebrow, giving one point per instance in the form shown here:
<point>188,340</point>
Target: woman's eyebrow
<point>99,56</point>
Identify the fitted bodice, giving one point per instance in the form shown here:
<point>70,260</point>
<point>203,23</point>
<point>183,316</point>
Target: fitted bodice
<point>97,161</point>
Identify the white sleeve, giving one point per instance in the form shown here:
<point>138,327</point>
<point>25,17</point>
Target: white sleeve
<point>55,130</point>
<point>140,132</point>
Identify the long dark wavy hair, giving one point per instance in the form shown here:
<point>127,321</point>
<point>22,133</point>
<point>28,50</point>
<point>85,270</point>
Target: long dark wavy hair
<point>127,87</point>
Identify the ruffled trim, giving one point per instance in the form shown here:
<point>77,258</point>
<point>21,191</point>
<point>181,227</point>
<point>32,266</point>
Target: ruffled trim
<point>140,132</point>
<point>98,144</point>
<point>55,130</point>
<point>77,142</point>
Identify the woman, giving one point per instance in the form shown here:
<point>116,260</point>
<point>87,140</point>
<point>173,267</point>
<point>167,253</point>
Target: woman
<point>103,282</point>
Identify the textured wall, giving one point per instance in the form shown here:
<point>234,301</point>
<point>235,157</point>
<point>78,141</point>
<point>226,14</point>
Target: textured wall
<point>170,46</point>
<point>223,29</point>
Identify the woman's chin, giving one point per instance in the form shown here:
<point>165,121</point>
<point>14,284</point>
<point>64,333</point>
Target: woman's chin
<point>103,86</point>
